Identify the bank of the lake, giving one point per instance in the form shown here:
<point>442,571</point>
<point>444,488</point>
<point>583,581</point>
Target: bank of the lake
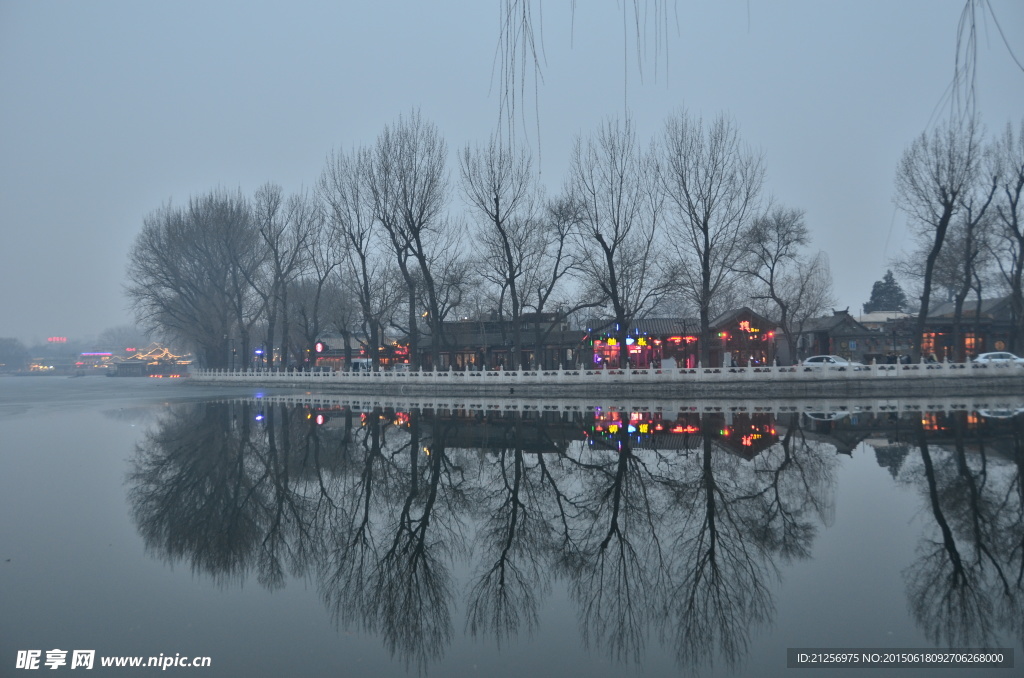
<point>748,382</point>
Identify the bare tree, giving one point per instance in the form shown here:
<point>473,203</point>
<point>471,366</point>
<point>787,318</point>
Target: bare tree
<point>1009,208</point>
<point>407,180</point>
<point>557,261</point>
<point>184,279</point>
<point>498,185</point>
<point>285,227</point>
<point>775,259</point>
<point>309,291</point>
<point>973,229</point>
<point>809,292</point>
<point>713,185</point>
<point>932,179</point>
<point>367,269</point>
<point>612,183</point>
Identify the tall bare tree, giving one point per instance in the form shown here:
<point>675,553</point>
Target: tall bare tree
<point>407,180</point>
<point>974,231</point>
<point>932,179</point>
<point>713,186</point>
<point>776,260</point>
<point>547,282</point>
<point>323,257</point>
<point>369,272</point>
<point>285,227</point>
<point>809,292</point>
<point>613,185</point>
<point>183,274</point>
<point>1009,208</point>
<point>498,184</point>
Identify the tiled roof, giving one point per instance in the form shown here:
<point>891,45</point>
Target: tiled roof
<point>655,327</point>
<point>948,308</point>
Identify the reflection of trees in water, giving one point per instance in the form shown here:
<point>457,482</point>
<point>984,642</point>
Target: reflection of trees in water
<point>617,564</point>
<point>731,522</point>
<point>522,515</point>
<point>226,486</point>
<point>378,509</point>
<point>398,524</point>
<point>411,585</point>
<point>191,482</point>
<point>968,580</point>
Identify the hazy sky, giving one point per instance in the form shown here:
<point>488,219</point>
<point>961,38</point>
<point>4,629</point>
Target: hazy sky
<point>109,109</point>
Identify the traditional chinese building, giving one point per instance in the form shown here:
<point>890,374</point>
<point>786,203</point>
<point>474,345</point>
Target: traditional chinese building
<point>487,344</point>
<point>840,334</point>
<point>738,337</point>
<point>984,327</point>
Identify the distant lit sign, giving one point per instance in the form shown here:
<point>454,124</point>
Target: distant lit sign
<point>57,340</point>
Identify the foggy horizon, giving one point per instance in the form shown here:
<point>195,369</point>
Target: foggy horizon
<point>112,110</point>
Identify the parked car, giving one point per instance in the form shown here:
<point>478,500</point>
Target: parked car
<point>998,357</point>
<point>833,362</point>
<point>826,416</point>
<point>1000,414</point>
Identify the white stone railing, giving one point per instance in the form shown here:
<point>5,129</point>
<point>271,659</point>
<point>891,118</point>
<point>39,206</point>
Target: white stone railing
<point>998,406</point>
<point>796,373</point>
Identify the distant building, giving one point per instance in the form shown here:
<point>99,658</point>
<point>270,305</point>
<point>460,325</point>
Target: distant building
<point>841,334</point>
<point>738,337</point>
<point>486,343</point>
<point>985,328</point>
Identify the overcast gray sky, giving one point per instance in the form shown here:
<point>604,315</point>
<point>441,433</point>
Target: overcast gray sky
<point>109,109</point>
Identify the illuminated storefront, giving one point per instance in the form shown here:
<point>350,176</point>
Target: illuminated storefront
<point>739,337</point>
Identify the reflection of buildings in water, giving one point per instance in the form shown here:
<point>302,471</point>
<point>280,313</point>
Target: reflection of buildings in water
<point>744,434</point>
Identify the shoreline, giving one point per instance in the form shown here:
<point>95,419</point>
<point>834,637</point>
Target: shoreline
<point>924,380</point>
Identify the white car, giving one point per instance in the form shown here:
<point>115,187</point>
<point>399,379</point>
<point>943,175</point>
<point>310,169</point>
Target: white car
<point>1000,414</point>
<point>832,362</point>
<point>998,357</point>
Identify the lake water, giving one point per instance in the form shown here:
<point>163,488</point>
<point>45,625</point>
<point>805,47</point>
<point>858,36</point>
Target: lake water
<point>143,517</point>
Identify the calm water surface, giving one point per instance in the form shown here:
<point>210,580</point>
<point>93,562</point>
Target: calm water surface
<point>280,537</point>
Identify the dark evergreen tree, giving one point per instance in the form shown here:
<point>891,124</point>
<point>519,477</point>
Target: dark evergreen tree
<point>886,295</point>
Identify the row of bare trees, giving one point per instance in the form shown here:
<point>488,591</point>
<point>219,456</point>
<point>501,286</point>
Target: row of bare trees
<point>398,525</point>
<point>963,195</point>
<point>376,249</point>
